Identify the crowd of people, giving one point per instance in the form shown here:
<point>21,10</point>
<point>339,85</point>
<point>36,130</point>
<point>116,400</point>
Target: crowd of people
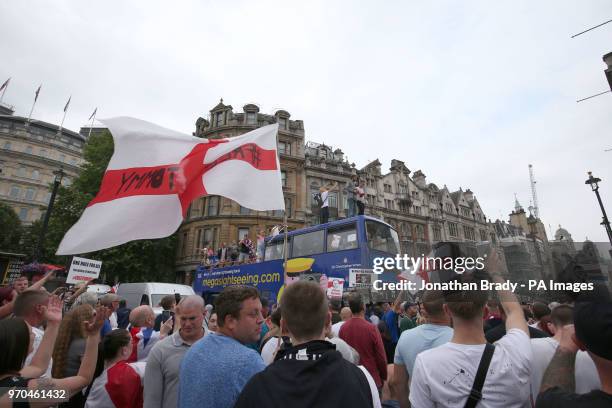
<point>237,252</point>
<point>447,349</point>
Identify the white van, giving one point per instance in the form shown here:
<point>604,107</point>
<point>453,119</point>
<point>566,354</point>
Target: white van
<point>99,289</point>
<point>150,293</point>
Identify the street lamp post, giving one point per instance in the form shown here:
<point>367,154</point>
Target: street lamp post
<point>59,174</point>
<point>594,183</point>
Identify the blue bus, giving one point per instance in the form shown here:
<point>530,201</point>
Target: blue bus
<point>319,252</point>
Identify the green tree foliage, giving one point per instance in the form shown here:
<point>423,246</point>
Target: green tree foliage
<point>144,260</point>
<point>10,229</point>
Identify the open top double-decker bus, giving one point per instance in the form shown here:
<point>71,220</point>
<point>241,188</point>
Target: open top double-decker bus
<point>317,253</point>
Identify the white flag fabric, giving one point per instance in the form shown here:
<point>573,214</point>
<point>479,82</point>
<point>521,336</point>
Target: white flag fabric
<point>155,173</point>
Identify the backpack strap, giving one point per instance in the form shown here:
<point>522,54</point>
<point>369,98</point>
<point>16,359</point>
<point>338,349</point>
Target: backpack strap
<point>476,391</point>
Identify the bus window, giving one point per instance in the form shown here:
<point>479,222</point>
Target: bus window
<point>274,250</point>
<point>308,244</point>
<point>341,238</point>
<point>382,237</point>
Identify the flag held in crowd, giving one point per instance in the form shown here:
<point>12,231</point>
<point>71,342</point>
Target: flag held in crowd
<point>93,114</point>
<point>155,173</point>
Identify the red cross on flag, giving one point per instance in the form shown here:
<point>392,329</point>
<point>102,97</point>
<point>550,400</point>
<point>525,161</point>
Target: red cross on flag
<point>155,173</point>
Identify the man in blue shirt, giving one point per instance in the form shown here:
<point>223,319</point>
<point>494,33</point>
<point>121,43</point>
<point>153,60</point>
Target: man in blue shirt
<point>391,319</point>
<point>215,369</point>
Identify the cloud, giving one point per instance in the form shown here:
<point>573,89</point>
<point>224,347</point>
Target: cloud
<point>470,93</point>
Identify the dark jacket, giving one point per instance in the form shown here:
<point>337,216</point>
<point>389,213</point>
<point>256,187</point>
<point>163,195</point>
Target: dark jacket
<point>313,374</point>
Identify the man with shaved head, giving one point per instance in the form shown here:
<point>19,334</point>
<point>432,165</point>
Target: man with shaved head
<point>144,337</point>
<point>164,362</point>
<point>345,314</point>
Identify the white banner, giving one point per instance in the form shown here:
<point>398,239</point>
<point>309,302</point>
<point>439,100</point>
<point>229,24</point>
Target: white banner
<point>335,287</point>
<point>83,270</point>
<point>361,278</point>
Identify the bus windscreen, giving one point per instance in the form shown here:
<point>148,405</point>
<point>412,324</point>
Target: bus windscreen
<point>381,237</point>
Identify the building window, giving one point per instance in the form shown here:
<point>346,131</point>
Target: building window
<point>183,244</point>
<point>245,211</point>
<point>284,178</point>
<point>449,208</point>
<point>219,119</point>
<point>30,194</point>
<point>251,118</point>
<point>332,200</point>
<point>284,148</point>
<point>35,174</point>
<point>242,233</point>
<point>417,210</point>
<point>43,153</point>
<point>387,188</point>
<point>419,231</point>
<point>213,206</point>
<point>28,150</point>
<point>73,161</point>
<point>452,229</point>
<point>23,214</point>
<point>282,123</point>
<point>483,235</point>
<point>465,212</point>
<point>7,145</point>
<point>437,233</point>
<point>288,208</point>
<point>469,233</point>
<point>15,192</point>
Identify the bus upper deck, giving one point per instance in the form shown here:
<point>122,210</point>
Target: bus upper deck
<point>324,250</point>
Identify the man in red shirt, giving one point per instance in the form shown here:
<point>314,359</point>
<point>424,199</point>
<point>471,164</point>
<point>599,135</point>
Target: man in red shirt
<point>365,338</point>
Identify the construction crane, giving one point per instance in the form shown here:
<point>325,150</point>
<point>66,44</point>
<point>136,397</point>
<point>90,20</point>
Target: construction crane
<point>534,196</point>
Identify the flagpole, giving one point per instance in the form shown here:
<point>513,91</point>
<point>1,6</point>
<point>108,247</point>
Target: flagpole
<point>4,90</point>
<point>65,111</point>
<point>93,117</point>
<point>34,104</point>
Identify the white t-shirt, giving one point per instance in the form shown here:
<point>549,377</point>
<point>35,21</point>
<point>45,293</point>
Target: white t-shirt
<point>348,353</point>
<point>38,335</point>
<point>373,389</point>
<point>336,328</point>
<point>443,376</point>
<point>113,320</point>
<point>586,376</point>
<point>325,197</point>
<point>268,351</point>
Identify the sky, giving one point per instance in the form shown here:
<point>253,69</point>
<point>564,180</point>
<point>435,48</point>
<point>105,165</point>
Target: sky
<point>468,92</point>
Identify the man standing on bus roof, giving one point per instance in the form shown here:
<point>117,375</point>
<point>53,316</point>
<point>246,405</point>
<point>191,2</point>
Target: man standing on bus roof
<point>324,192</point>
<point>360,197</point>
<point>350,189</point>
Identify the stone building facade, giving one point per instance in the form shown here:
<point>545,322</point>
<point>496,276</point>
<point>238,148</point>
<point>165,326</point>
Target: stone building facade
<point>213,220</point>
<point>30,153</point>
<point>422,213</point>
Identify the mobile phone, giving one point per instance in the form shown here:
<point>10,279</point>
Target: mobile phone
<point>166,315</point>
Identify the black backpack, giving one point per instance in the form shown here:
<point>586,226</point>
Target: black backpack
<point>318,199</point>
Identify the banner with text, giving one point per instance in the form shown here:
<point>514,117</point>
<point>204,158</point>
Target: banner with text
<point>83,270</point>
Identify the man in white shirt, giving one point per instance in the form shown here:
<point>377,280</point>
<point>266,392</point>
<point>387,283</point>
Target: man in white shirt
<point>585,372</point>
<point>31,306</point>
<point>324,192</point>
<point>444,376</point>
<point>345,314</point>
